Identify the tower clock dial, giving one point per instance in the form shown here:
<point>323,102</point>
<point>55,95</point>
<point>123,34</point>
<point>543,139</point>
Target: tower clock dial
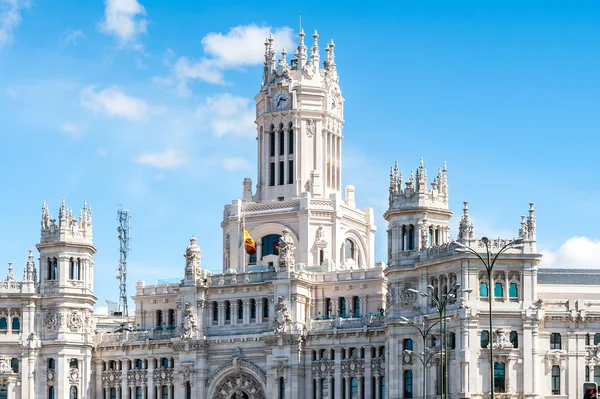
<point>281,100</point>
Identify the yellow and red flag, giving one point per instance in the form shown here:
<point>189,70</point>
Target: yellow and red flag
<point>249,243</point>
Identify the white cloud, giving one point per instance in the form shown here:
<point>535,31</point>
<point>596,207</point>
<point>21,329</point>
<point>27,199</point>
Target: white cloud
<point>168,159</point>
<point>73,36</point>
<point>235,163</point>
<point>124,20</point>
<point>10,18</point>
<point>576,252</point>
<point>242,46</point>
<point>228,114</point>
<point>71,130</point>
<point>113,102</point>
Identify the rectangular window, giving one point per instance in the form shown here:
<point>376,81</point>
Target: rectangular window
<point>452,340</point>
<point>281,143</point>
<point>499,377</point>
<point>555,380</point>
<point>272,174</point>
<point>555,341</point>
<point>597,375</point>
<point>272,144</point>
<point>290,172</point>
<point>291,141</point>
<point>281,175</point>
<point>596,339</point>
<point>281,388</point>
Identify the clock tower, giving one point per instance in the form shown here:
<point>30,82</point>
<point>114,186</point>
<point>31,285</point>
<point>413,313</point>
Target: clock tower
<point>299,116</point>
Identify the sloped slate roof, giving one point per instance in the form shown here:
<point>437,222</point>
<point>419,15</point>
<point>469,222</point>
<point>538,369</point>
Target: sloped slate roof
<point>569,276</point>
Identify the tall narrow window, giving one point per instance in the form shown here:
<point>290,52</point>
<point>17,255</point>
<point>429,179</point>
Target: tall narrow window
<point>321,257</point>
<point>290,172</point>
<point>555,380</point>
<point>408,384</point>
<point>587,373</point>
<point>188,390</point>
<point>164,362</point>
<point>51,392</point>
<point>138,393</point>
<point>407,345</point>
<point>14,365</point>
<point>513,290</point>
<point>49,269</point>
<point>498,290</point>
<point>382,391</point>
<point>342,306</point>
<point>215,311</point>
<point>164,392</point>
<point>354,387</point>
<point>113,393</point>
<point>411,237</point>
<point>327,307</point>
<point>356,306</point>
<point>281,173</point>
<point>597,375</point>
<point>485,339</point>
<point>499,377</point>
<point>596,338</point>
<point>555,341</point>
<point>159,318</point>
<point>452,340</point>
<point>514,339</point>
<point>281,141</point>
<point>78,269</point>
<point>291,140</point>
<point>253,308</point>
<point>350,250</point>
<point>51,364</point>
<point>3,323</point>
<point>71,269</point>
<point>272,143</point>
<point>272,174</point>
<point>54,269</point>
<point>281,388</point>
<point>73,393</point>
<point>483,289</point>
<point>16,324</point>
<point>265,307</point>
<point>227,310</point>
<point>240,309</point>
<point>171,318</point>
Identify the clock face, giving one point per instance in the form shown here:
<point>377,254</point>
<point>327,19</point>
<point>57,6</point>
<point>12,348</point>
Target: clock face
<point>281,100</point>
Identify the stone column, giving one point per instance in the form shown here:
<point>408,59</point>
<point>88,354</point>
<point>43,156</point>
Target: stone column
<point>377,390</point>
<point>360,387</point>
<point>367,376</point>
<point>221,306</point>
<point>234,312</point>
<point>338,372</point>
<point>318,386</point>
<point>150,383</point>
<point>124,387</point>
<point>536,361</point>
<point>347,383</point>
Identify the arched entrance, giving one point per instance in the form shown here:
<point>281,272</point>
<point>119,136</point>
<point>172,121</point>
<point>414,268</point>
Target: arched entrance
<point>238,385</point>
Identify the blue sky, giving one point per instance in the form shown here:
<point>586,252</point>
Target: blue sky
<point>149,104</point>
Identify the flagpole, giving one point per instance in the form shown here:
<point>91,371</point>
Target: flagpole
<point>243,244</point>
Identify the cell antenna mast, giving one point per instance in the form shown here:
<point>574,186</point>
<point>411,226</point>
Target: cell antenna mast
<point>124,230</point>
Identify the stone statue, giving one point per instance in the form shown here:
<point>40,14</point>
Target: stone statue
<point>189,325</point>
<point>5,366</point>
<point>282,316</point>
<point>501,340</point>
<point>286,249</point>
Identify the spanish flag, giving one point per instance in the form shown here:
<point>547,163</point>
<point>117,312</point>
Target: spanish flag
<point>249,243</point>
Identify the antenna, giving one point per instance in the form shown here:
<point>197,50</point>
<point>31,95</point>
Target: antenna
<point>300,20</point>
<point>124,231</point>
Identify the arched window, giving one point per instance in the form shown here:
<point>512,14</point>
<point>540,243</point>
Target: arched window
<point>485,339</point>
<point>269,244</point>
<point>408,384</point>
<point>483,289</point>
<point>321,257</point>
<point>71,269</point>
<point>227,310</point>
<point>215,311</point>
<point>350,249</point>
<point>290,139</point>
<point>411,237</point>
<point>3,323</point>
<point>14,365</point>
<point>74,364</point>
<point>240,309</point>
<point>514,339</point>
<point>49,261</point>
<point>16,323</point>
<point>342,306</point>
<point>356,306</point>
<point>253,308</point>
<point>164,362</point>
<point>51,364</point>
<point>112,365</point>
<point>138,393</point>
<point>51,393</point>
<point>159,318</point>
<point>139,364</point>
<point>113,393</point>
<point>265,307</point>
<point>78,269</point>
<point>513,290</point>
<point>73,392</point>
<point>498,290</point>
<point>407,345</point>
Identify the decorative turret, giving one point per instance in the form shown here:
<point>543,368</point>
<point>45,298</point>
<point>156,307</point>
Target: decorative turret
<point>466,228</point>
<point>68,229</point>
<point>193,257</point>
<point>30,273</point>
<point>314,53</point>
<point>415,192</point>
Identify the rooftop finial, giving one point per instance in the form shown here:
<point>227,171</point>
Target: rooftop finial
<point>314,54</point>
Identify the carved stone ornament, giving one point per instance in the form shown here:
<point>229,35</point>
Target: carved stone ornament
<point>353,367</point>
<point>286,249</point>
<point>189,327</point>
<point>111,378</point>
<point>239,385</point>
<point>50,377</point>
<point>311,127</point>
<point>309,69</point>
<point>501,340</point>
<point>74,376</point>
<point>74,321</point>
<point>163,376</point>
<point>378,367</point>
<point>5,366</point>
<point>282,316</point>
<point>323,368</point>
<point>51,320</point>
<point>137,377</point>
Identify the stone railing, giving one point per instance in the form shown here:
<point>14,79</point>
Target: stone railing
<point>437,251</point>
<point>367,320</point>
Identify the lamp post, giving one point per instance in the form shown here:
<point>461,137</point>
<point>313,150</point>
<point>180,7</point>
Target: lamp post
<point>441,302</point>
<point>423,356</point>
<point>489,261</point>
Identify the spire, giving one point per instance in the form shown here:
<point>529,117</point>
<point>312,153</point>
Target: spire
<point>331,55</point>
<point>314,54</point>
<point>30,273</point>
<point>284,56</point>
<point>466,229</point>
<point>11,276</point>
<point>531,223</point>
<point>523,230</point>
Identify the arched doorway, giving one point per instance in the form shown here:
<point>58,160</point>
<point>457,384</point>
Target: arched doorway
<point>238,385</point>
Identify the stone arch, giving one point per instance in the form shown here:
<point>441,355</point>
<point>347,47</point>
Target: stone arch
<point>269,228</point>
<point>360,245</point>
<point>237,378</point>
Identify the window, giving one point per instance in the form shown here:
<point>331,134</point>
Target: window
<point>513,290</point>
<point>407,345</point>
<point>272,142</point>
<point>555,380</point>
<point>54,269</point>
<point>324,388</point>
<point>290,172</point>
<point>356,306</point>
<point>14,365</point>
<point>354,387</point>
<point>159,318</point>
<point>514,339</point>
<point>3,391</point>
<point>411,237</point>
<point>290,139</point>
<point>113,393</point>
<point>240,309</point>
<point>498,290</point>
<point>382,387</point>
<point>272,174</point>
<point>188,390</point>
<point>499,377</point>
<point>171,318</point>
<point>138,393</point>
<point>342,306</point>
<point>164,392</point>
<point>485,339</point>
<point>227,310</point>
<point>73,393</point>
<point>265,307</point>
<point>112,365</point>
<point>71,269</point>
<point>281,174</point>
<point>51,364</point>
<point>74,364</point>
<point>281,388</point>
<point>587,373</point>
<point>555,341</point>
<point>139,364</point>
<point>327,307</point>
<point>281,141</point>
<point>164,362</point>
<point>408,384</point>
<point>51,393</point>
<point>269,244</point>
<point>215,311</point>
<point>253,308</point>
<point>3,323</point>
<point>350,250</point>
<point>16,324</point>
<point>483,289</point>
<point>597,375</point>
<point>452,340</point>
<point>596,339</point>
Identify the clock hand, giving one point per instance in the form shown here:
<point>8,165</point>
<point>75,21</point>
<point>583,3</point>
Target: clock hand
<point>279,101</point>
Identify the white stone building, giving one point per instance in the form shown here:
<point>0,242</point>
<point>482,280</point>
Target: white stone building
<point>311,314</point>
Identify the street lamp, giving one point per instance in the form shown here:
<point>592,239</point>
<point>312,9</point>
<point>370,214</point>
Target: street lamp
<point>441,302</point>
<point>489,263</point>
<point>423,356</point>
